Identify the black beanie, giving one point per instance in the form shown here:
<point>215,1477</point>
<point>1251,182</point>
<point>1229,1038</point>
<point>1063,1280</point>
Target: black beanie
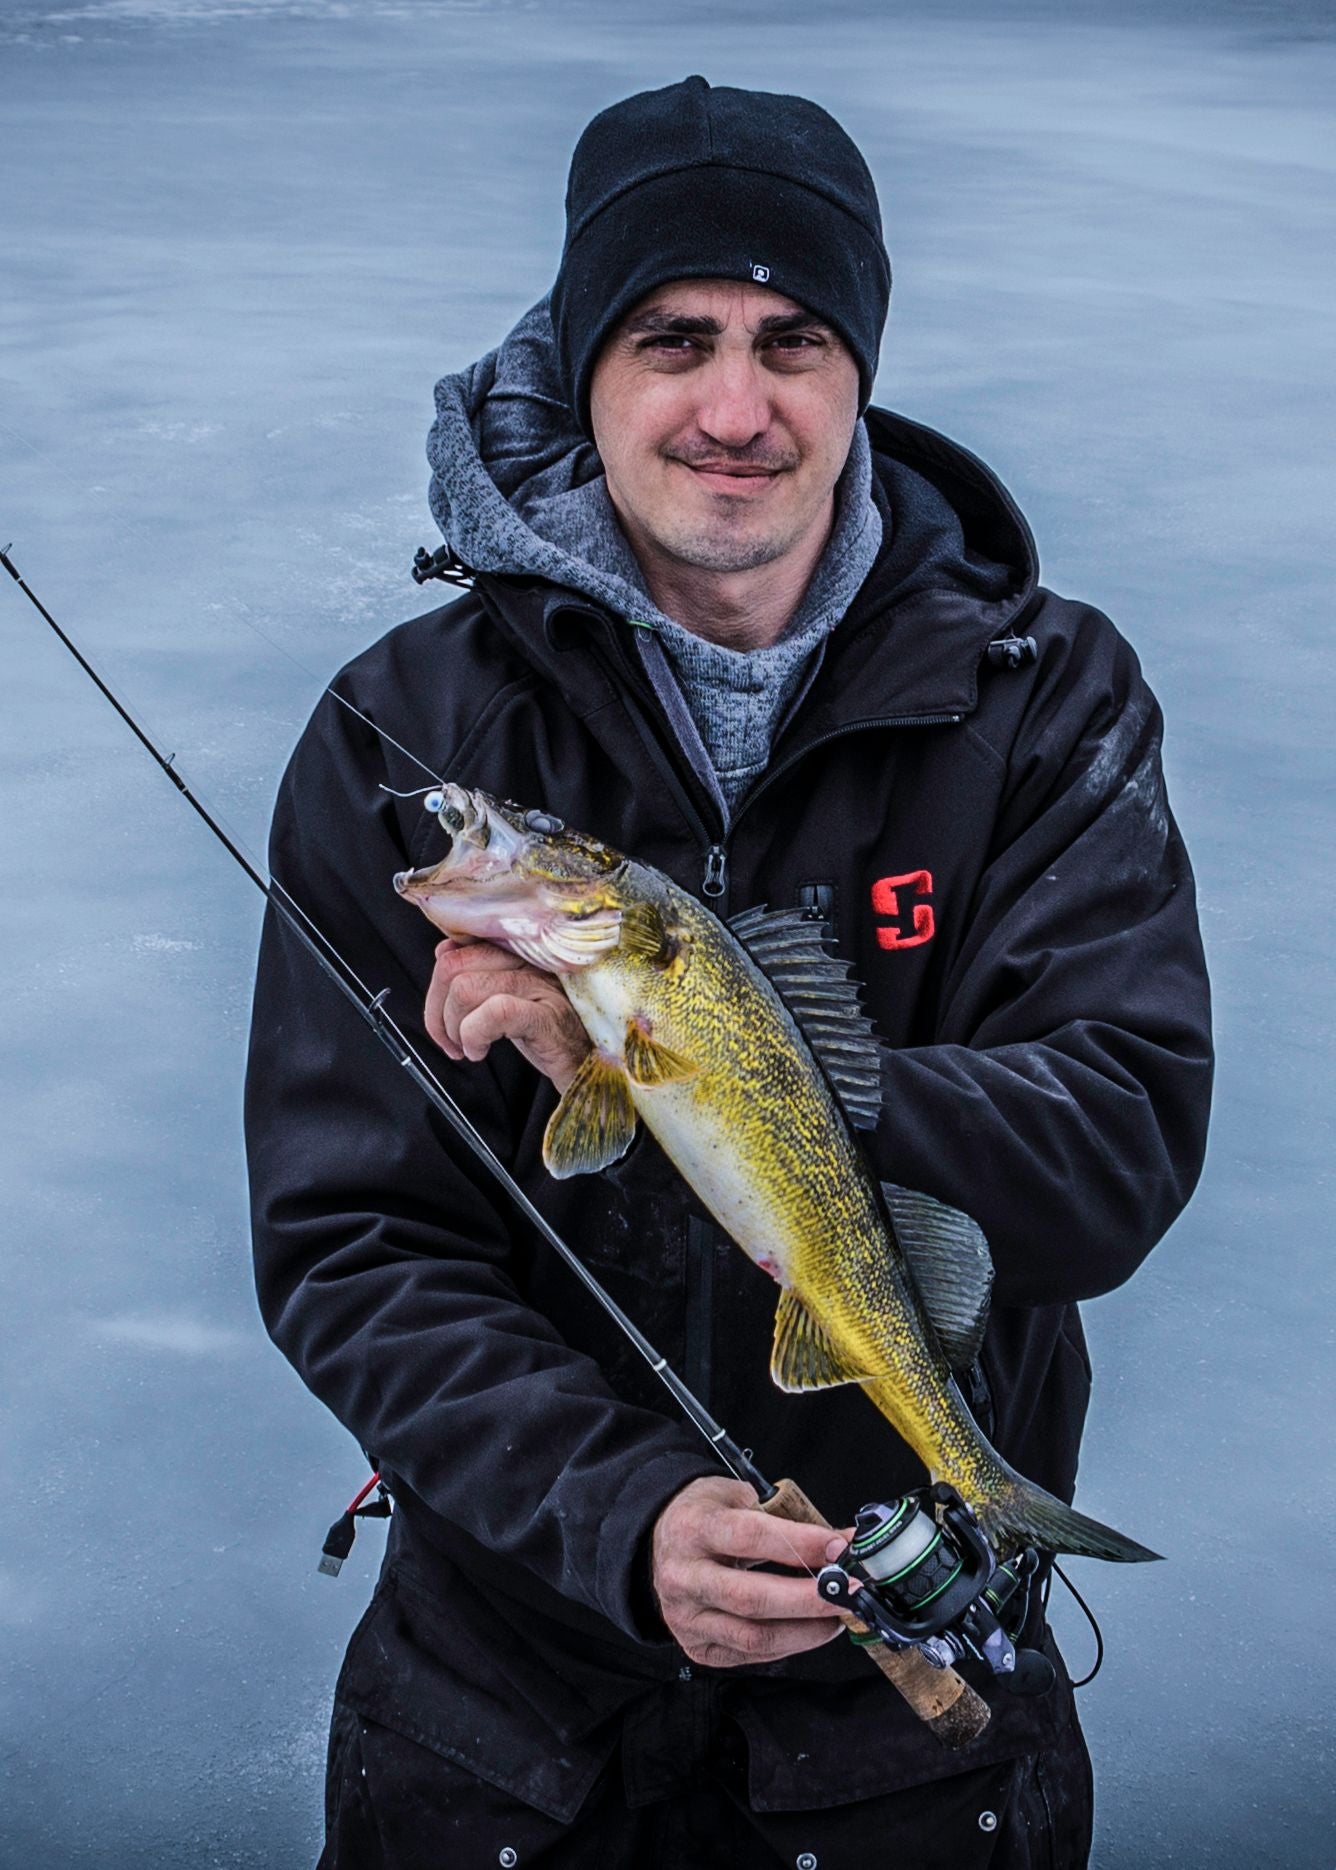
<point>697,183</point>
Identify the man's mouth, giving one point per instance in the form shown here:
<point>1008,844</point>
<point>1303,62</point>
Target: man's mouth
<point>733,477</point>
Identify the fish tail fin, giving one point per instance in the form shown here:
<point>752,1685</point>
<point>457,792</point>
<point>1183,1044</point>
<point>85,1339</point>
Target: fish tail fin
<point>1018,1513</point>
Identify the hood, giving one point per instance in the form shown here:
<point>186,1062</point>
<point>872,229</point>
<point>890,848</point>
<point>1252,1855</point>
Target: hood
<point>517,490</point>
<point>512,475</point>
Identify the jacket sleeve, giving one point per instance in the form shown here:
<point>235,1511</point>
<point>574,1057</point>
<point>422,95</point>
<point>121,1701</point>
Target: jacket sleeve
<point>1064,1101</point>
<point>385,1266</point>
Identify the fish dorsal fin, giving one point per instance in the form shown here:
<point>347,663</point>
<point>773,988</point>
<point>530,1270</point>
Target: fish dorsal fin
<point>804,1357</point>
<point>594,1122</point>
<point>949,1261</point>
<point>789,947</point>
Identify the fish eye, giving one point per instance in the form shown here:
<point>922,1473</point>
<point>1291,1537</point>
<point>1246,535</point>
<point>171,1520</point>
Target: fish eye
<point>452,818</point>
<point>544,823</point>
<point>433,801</point>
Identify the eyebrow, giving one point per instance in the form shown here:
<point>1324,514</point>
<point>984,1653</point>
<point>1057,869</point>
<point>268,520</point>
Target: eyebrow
<point>685,325</point>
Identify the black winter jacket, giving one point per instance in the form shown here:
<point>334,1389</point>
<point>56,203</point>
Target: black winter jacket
<point>997,858</point>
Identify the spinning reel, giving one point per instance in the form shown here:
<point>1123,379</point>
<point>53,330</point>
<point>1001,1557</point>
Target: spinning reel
<point>919,1572</point>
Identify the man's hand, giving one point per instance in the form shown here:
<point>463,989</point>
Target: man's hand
<point>720,1613</point>
<point>479,994</point>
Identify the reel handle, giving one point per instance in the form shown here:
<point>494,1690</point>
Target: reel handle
<point>943,1700</point>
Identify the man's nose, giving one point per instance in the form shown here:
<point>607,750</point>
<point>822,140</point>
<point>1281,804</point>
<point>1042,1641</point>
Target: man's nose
<point>735,402</point>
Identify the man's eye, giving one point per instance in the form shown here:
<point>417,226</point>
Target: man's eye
<point>670,343</point>
<point>796,341</point>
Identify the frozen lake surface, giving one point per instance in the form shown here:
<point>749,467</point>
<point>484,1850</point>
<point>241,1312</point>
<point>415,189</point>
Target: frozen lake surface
<point>241,242</point>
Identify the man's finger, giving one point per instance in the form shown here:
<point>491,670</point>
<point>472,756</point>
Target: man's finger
<point>726,1642</point>
<point>753,1537</point>
<point>761,1596</point>
<point>456,959</point>
<point>508,1016</point>
<point>472,992</point>
<point>433,1013</point>
<point>466,992</point>
<point>453,956</point>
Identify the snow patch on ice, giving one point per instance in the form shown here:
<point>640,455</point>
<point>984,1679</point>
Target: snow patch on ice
<point>174,1332</point>
<point>178,431</point>
<point>164,944</point>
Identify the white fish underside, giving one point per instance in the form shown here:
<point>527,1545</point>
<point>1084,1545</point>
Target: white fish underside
<point>709,1162</point>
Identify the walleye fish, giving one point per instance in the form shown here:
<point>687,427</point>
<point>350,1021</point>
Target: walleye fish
<point>712,1035</point>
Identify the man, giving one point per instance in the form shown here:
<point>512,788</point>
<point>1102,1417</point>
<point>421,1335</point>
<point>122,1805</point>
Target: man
<point>788,649</point>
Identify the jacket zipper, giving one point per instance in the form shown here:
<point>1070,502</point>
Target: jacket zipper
<point>717,855</point>
<point>714,882</point>
<point>714,875</point>
<point>838,733</point>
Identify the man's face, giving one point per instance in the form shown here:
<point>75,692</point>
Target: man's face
<point>723,414</point>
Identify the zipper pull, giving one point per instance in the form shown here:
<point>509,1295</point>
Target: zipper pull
<point>716,871</point>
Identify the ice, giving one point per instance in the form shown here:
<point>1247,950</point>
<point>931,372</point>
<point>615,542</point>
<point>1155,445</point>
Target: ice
<point>242,239</point>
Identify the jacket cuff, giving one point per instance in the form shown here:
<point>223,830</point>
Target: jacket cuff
<point>625,1576</point>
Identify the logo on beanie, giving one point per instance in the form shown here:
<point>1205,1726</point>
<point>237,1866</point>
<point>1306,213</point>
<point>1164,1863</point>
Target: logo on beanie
<point>760,274</point>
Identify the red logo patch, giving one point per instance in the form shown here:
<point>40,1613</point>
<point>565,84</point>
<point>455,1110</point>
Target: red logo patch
<point>895,898</point>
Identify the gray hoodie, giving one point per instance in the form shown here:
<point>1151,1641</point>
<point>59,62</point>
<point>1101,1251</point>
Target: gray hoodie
<point>516,488</point>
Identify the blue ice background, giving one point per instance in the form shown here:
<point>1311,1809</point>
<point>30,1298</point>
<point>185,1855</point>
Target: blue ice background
<point>239,243</point>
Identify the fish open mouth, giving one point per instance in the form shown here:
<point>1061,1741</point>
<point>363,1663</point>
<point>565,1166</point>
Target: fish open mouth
<point>476,887</point>
<point>488,886</point>
<point>515,913</point>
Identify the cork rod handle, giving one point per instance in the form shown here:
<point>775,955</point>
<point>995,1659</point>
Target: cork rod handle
<point>941,1698</point>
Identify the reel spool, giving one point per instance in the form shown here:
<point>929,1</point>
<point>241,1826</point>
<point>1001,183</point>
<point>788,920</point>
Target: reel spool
<point>920,1573</point>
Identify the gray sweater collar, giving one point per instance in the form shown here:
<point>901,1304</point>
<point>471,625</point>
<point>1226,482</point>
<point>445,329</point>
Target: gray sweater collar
<point>738,701</point>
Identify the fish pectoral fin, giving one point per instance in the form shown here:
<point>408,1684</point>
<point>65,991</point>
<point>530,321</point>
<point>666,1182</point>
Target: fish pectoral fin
<point>642,931</point>
<point>649,1063</point>
<point>803,1357</point>
<point>594,1122</point>
<point>949,1261</point>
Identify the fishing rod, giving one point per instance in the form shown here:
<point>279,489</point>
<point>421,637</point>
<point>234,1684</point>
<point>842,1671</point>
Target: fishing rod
<point>372,1008</point>
<point>914,1651</point>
